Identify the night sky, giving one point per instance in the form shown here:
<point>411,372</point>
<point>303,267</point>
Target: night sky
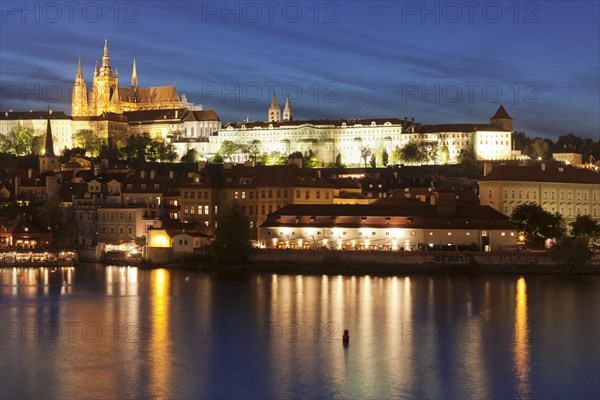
<point>439,62</point>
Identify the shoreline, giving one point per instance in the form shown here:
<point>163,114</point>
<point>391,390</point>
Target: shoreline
<point>375,268</point>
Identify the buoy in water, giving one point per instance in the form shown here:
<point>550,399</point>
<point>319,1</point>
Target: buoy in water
<point>346,337</point>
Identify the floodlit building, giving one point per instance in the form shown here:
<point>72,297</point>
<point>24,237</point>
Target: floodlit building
<point>413,226</point>
<point>566,190</point>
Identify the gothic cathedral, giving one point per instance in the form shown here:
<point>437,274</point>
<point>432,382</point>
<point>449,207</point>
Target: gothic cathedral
<point>107,96</point>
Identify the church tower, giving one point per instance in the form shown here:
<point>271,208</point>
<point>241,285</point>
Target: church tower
<point>49,162</point>
<point>502,119</point>
<point>274,111</point>
<point>287,111</point>
<point>79,103</point>
<point>105,84</point>
<point>134,81</point>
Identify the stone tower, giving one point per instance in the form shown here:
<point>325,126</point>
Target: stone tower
<point>105,84</point>
<point>288,115</point>
<point>49,162</point>
<point>274,111</point>
<point>502,119</point>
<point>79,103</point>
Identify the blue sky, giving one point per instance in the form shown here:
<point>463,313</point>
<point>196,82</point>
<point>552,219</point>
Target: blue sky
<point>439,62</point>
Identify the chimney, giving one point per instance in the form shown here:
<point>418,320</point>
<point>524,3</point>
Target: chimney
<point>142,174</point>
<point>201,165</point>
<point>30,173</point>
<point>152,174</point>
<point>17,185</point>
<point>227,165</point>
<point>543,166</point>
<point>96,169</point>
<point>171,174</point>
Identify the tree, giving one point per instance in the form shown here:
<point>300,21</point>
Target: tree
<point>572,252</point>
<point>412,153</point>
<point>18,141</point>
<point>216,159</point>
<point>309,160</point>
<point>585,225</point>
<point>365,152</point>
<point>521,142</point>
<point>253,150</point>
<point>537,223</point>
<point>338,161</point>
<point>191,156</point>
<point>228,148</point>
<point>539,148</point>
<point>66,154</point>
<point>276,158</point>
<point>396,155</point>
<point>373,161</point>
<point>38,144</point>
<point>166,152</point>
<point>443,154</point>
<point>232,236</point>
<point>385,158</point>
<point>88,140</point>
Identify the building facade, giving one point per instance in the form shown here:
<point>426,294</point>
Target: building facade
<point>565,190</point>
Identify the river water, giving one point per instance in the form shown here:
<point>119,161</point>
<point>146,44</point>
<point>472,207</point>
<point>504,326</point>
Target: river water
<point>122,332</point>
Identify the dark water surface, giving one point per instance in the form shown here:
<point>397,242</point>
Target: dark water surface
<point>114,332</point>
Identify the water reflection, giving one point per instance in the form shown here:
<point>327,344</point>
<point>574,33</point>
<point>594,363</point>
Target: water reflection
<point>408,335</point>
<point>521,341</point>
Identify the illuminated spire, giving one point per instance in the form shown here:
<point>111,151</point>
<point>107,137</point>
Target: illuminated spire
<point>134,81</point>
<point>287,111</point>
<point>49,144</point>
<point>274,113</point>
<point>96,69</point>
<point>79,75</point>
<point>105,69</point>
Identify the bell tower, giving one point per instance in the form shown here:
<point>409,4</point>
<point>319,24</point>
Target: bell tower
<point>274,114</point>
<point>105,84</point>
<point>502,119</point>
<point>288,115</point>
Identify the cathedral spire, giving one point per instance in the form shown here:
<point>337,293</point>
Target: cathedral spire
<point>287,111</point>
<point>105,70</point>
<point>134,81</point>
<point>49,143</point>
<point>274,110</point>
<point>79,75</point>
<point>96,69</point>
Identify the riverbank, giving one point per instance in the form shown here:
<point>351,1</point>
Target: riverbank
<point>337,267</point>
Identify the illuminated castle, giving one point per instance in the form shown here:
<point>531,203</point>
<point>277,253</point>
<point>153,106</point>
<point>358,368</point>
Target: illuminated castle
<point>107,96</point>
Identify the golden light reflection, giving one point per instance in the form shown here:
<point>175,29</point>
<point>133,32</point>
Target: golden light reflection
<point>521,342</point>
<point>160,345</point>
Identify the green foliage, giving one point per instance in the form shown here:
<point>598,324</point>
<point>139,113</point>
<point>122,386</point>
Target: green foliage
<point>396,155</point>
<point>191,156</point>
<point>365,152</point>
<point>232,236</point>
<point>538,224</point>
<point>228,148</point>
<point>572,252</point>
<point>373,161</point>
<point>585,225</point>
<point>338,161</point>
<point>253,150</point>
<point>217,159</point>
<point>539,148</point>
<point>412,153</point>
<point>276,158</point>
<point>385,158</point>
<point>18,141</point>
<point>141,149</point>
<point>443,154</point>
<point>309,160</point>
<point>38,144</point>
<point>66,154</point>
<point>88,140</point>
<point>136,148</point>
